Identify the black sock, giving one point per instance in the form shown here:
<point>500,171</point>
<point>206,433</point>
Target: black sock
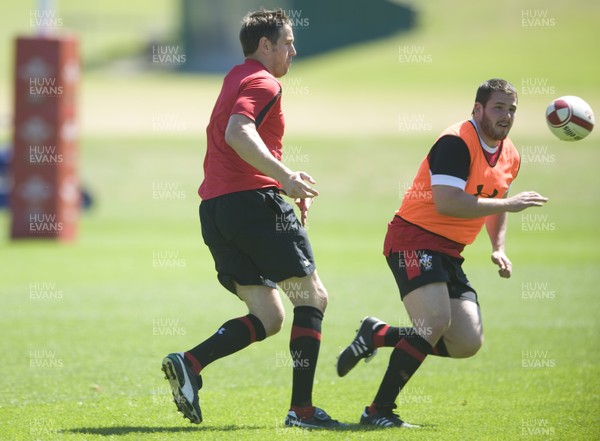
<point>305,341</point>
<point>406,358</point>
<point>231,337</point>
<point>390,336</point>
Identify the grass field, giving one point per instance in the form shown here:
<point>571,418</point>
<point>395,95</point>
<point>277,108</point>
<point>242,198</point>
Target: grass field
<point>86,324</point>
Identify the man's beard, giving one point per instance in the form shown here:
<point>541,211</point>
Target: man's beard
<point>492,131</point>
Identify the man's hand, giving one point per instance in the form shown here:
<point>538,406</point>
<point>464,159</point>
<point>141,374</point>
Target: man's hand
<point>505,265</point>
<point>302,193</point>
<point>295,186</point>
<point>525,199</point>
<point>303,204</point>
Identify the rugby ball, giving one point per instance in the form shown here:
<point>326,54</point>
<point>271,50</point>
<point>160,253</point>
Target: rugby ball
<point>570,118</point>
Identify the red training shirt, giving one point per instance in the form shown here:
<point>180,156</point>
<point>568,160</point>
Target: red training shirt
<point>248,89</point>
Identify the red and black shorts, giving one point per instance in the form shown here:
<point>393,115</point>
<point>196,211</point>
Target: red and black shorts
<point>255,238</point>
<point>413,269</point>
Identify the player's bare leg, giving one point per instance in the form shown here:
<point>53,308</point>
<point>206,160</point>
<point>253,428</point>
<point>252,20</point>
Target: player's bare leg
<point>306,291</point>
<point>264,303</point>
<point>430,311</point>
<point>183,369</point>
<point>309,297</point>
<point>464,337</point>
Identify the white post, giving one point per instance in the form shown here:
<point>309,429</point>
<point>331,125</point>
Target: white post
<point>47,10</point>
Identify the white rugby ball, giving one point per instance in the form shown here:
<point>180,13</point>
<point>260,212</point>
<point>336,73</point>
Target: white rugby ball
<point>570,118</point>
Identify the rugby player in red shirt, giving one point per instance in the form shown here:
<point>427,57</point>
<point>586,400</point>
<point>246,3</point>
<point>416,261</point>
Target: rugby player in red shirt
<point>253,234</point>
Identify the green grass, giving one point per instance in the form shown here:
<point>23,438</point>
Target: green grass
<point>104,29</point>
<point>83,363</point>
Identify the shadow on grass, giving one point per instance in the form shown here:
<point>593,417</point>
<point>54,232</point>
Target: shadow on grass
<point>356,427</point>
<point>124,430</point>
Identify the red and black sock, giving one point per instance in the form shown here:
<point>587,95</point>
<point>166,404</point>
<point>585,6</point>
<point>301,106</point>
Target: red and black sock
<point>305,342</point>
<point>406,358</point>
<point>231,337</point>
<point>390,336</point>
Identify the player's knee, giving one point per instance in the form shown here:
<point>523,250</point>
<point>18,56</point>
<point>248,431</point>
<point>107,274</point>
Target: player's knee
<point>475,346</point>
<point>312,293</point>
<point>468,351</point>
<point>321,298</point>
<point>271,317</point>
<point>468,347</point>
<point>273,322</point>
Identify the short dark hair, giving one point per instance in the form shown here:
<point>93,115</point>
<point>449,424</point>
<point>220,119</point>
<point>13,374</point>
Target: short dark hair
<point>262,23</point>
<point>485,90</point>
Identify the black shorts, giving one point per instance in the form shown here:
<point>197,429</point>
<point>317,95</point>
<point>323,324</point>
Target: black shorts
<point>255,238</point>
<point>413,269</point>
